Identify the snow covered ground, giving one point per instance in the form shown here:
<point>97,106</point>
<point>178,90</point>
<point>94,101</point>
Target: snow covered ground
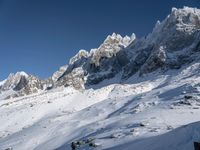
<point>153,112</point>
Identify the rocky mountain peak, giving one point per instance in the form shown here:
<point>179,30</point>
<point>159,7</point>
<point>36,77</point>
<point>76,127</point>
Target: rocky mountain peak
<point>15,81</point>
<point>184,22</point>
<point>186,16</point>
<point>172,43</point>
<point>82,53</point>
<point>21,84</point>
<point>110,47</point>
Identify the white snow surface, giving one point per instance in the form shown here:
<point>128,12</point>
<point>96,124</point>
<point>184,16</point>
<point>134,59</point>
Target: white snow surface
<point>144,113</point>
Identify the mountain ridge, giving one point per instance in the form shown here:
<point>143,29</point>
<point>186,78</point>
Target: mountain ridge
<point>172,43</point>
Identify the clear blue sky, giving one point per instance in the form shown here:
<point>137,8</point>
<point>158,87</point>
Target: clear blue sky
<point>38,36</point>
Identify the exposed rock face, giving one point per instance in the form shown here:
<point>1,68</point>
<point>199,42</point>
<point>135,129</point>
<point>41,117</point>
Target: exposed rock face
<point>33,86</point>
<point>136,62</point>
<point>15,81</point>
<point>172,44</point>
<point>92,67</point>
<point>110,47</point>
<point>75,78</point>
<point>22,84</point>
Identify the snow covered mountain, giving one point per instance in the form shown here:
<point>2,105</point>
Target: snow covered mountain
<point>87,68</point>
<point>20,84</point>
<point>15,81</point>
<point>173,43</point>
<point>129,93</point>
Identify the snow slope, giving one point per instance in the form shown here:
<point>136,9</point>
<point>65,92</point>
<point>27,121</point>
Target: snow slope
<point>140,114</point>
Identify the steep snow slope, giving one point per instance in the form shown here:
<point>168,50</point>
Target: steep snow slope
<point>118,116</point>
